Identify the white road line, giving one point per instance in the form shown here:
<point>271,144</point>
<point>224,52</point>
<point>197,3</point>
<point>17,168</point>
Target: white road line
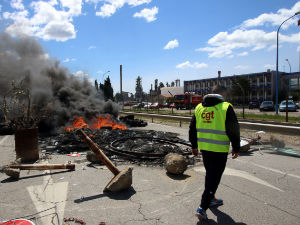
<point>242,174</point>
<point>4,139</point>
<point>268,168</point>
<point>49,195</point>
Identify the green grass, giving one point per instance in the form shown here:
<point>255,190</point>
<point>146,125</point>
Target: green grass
<point>262,116</point>
<point>267,117</point>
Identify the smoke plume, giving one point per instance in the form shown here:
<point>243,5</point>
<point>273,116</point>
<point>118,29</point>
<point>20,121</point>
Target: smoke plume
<point>50,84</point>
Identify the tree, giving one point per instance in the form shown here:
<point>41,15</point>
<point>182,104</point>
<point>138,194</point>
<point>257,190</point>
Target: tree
<point>161,85</point>
<point>118,97</point>
<point>139,89</point>
<point>107,89</point>
<point>172,84</point>
<point>240,87</point>
<point>96,85</point>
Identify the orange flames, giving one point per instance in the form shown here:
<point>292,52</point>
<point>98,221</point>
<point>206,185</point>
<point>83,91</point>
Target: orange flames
<point>97,123</point>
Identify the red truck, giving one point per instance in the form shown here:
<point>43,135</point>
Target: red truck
<point>187,100</point>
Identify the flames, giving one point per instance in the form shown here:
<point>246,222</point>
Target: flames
<point>96,123</point>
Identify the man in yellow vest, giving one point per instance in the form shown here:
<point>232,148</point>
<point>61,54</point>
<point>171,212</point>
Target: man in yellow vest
<point>212,128</point>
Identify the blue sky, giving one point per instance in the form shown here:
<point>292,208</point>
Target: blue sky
<point>163,39</point>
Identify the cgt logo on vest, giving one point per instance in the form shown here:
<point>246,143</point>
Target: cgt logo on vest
<point>207,116</point>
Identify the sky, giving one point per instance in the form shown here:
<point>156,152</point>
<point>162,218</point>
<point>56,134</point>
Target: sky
<point>158,39</point>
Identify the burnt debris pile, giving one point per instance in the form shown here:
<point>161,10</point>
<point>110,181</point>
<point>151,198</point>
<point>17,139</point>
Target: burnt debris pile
<point>135,146</point>
<point>130,121</point>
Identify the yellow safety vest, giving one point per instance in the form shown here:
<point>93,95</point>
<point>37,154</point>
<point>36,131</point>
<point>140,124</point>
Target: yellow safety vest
<point>211,130</point>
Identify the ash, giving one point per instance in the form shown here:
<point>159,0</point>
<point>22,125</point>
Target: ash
<point>142,147</point>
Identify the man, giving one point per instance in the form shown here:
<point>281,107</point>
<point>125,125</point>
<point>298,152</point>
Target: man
<point>212,128</point>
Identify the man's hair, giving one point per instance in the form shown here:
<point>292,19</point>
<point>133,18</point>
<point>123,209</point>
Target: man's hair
<point>219,89</point>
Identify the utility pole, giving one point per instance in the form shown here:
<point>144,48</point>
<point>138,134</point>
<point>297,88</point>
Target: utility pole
<point>121,85</point>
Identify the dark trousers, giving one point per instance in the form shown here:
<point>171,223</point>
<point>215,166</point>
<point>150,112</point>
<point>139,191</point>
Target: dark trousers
<point>214,164</point>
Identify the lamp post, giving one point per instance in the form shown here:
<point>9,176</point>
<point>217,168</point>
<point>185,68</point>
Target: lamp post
<point>277,81</point>
<point>103,75</point>
<point>287,95</point>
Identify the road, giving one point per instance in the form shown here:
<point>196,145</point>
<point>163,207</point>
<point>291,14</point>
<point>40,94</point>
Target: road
<point>259,187</point>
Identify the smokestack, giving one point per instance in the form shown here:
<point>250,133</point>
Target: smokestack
<point>219,76</point>
<point>121,83</point>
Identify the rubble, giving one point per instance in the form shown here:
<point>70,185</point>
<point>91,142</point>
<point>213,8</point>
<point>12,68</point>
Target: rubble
<point>175,163</point>
<point>131,122</point>
<point>91,157</point>
<point>136,146</point>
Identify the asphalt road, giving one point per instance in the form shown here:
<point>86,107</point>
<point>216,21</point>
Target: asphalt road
<point>259,187</point>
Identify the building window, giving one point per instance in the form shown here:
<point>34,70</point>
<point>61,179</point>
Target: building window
<point>294,84</point>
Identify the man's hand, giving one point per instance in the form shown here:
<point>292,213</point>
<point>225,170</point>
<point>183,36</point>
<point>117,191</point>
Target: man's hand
<point>195,151</point>
<point>234,155</point>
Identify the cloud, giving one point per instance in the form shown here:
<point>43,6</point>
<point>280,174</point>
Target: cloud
<point>69,60</point>
<point>269,66</point>
<point>81,74</point>
<point>275,19</point>
<point>91,47</point>
<point>111,6</point>
<point>187,64</point>
<point>49,20</point>
<point>240,67</point>
<point>148,14</point>
<point>224,43</point>
<point>17,4</point>
<point>243,54</point>
<point>172,44</point>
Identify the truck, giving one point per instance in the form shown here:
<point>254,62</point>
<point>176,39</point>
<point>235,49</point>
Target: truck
<point>187,100</point>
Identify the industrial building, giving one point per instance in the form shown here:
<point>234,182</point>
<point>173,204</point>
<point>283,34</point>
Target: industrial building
<point>262,85</point>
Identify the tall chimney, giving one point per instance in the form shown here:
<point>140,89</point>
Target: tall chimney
<point>219,76</point>
<point>121,83</point>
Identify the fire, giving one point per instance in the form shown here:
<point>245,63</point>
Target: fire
<point>96,123</point>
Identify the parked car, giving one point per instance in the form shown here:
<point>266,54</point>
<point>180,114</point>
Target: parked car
<point>147,105</point>
<point>139,105</point>
<point>267,106</point>
<point>253,104</point>
<point>156,105</point>
<point>297,105</point>
<point>291,106</point>
<point>166,105</point>
<point>173,106</point>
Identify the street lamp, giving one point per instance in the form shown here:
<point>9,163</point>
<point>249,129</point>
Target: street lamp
<point>276,87</point>
<point>108,71</point>
<point>288,93</point>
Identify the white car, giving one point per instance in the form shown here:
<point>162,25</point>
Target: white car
<point>147,105</point>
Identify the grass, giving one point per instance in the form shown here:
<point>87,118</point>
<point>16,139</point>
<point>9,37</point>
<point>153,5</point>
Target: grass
<point>268,117</point>
<point>262,116</point>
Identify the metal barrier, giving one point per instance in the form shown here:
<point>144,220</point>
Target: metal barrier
<point>275,128</point>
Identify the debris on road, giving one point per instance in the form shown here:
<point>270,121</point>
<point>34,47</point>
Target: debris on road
<point>175,163</point>
<point>72,219</point>
<point>131,122</point>
<point>13,170</point>
<point>122,179</point>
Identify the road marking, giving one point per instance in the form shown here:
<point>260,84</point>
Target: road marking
<point>49,195</point>
<point>4,139</point>
<point>242,174</point>
<point>268,168</point>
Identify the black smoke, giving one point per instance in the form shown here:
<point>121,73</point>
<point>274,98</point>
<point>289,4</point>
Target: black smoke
<point>50,84</point>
